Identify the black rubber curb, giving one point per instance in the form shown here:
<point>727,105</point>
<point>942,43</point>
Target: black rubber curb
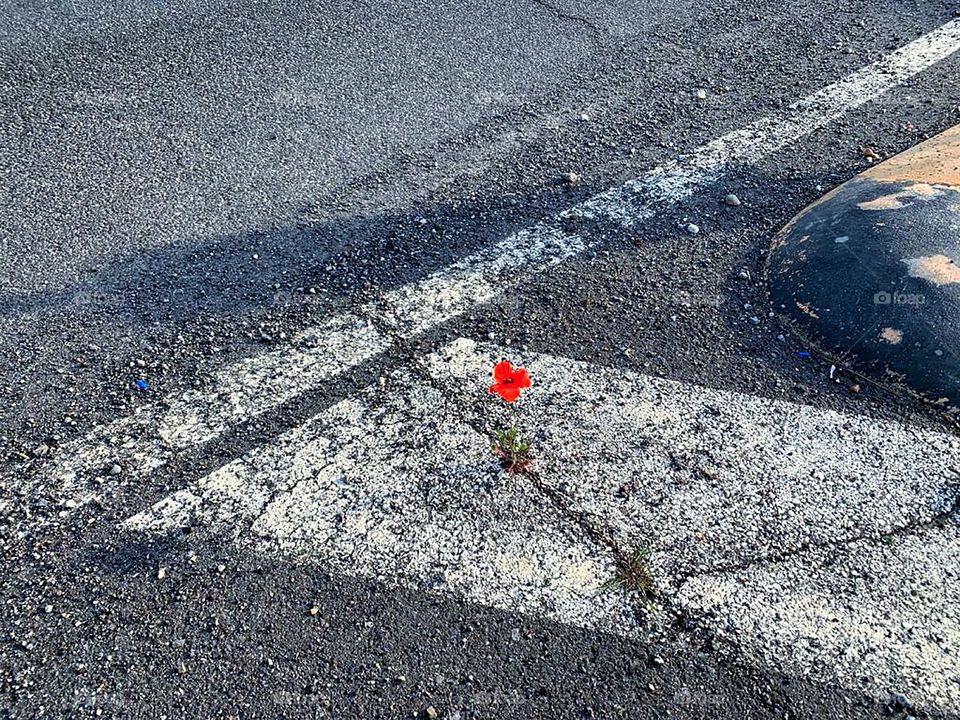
<point>869,274</point>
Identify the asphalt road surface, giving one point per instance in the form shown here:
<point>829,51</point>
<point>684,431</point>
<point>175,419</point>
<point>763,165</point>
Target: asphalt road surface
<point>257,261</point>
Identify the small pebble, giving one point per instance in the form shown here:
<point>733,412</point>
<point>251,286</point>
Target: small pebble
<point>732,200</point>
<point>161,573</point>
<point>900,703</point>
<point>693,229</point>
<point>701,94</point>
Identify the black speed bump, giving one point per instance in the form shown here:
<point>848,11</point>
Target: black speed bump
<point>869,273</point>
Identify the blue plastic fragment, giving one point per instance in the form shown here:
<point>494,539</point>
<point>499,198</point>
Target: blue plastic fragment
<point>803,353</point>
<point>142,384</point>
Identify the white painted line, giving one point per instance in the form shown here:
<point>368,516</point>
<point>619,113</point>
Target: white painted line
<point>421,306</point>
<point>257,385</point>
<point>395,485</point>
<point>887,611</point>
<point>146,440</point>
<point>759,140</point>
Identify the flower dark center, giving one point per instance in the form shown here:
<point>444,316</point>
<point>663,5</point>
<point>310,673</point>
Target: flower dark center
<point>508,381</point>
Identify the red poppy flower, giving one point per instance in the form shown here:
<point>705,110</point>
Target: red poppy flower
<point>509,381</point>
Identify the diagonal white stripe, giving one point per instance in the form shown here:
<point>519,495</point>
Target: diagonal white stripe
<point>257,385</point>
<point>395,485</point>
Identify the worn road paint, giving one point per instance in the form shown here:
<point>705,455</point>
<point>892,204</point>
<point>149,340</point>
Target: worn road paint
<point>396,487</point>
<point>147,440</point>
<point>886,299</point>
<point>399,486</point>
<point>885,611</point>
<point>936,162</point>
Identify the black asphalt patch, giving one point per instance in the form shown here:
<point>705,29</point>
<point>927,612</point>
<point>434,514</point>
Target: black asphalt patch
<point>224,635</point>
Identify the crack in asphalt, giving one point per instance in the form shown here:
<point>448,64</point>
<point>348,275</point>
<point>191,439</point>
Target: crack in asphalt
<point>584,522</point>
<point>597,31</point>
<point>684,620</point>
<point>949,509</point>
<point>593,527</point>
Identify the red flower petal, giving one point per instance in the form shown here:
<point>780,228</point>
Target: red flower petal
<point>509,381</point>
<point>509,392</point>
<point>502,371</point>
<point>521,378</point>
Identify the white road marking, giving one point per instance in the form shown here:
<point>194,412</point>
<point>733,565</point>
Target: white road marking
<point>395,485</point>
<point>262,383</point>
<point>677,180</point>
<point>403,491</point>
<point>887,611</point>
<point>151,436</point>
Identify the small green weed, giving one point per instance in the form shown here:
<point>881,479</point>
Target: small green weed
<point>513,451</point>
<point>634,574</point>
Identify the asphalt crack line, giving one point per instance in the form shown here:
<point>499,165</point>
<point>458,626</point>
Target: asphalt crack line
<point>876,617</point>
<point>589,525</point>
<point>777,462</point>
<point>598,32</point>
<point>472,415</point>
<point>702,602</point>
<point>949,512</point>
